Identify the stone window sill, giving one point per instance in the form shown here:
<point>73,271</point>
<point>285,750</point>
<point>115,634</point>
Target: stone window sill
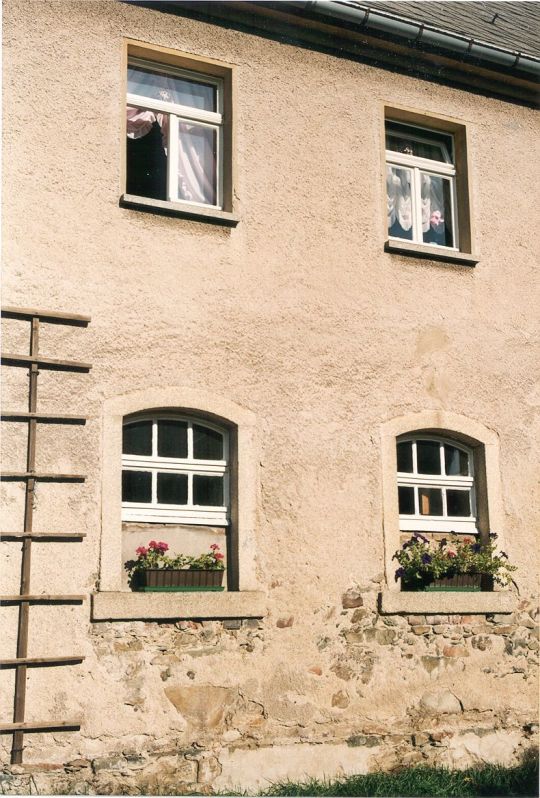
<point>393,602</point>
<point>123,606</point>
<point>183,210</point>
<point>430,253</point>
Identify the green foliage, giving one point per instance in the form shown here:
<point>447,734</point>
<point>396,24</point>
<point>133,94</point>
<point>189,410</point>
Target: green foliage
<point>491,780</point>
<point>422,560</point>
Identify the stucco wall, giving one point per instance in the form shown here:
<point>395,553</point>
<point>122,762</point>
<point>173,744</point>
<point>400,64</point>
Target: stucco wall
<point>296,315</point>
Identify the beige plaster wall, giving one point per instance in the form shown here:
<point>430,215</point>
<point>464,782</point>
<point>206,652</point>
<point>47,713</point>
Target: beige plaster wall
<point>296,315</point>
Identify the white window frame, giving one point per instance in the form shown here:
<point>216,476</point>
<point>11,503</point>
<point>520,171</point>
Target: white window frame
<point>432,523</point>
<point>153,512</point>
<point>417,165</point>
<point>181,113</point>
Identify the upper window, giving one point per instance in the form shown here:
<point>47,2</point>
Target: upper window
<point>174,134</point>
<point>421,185</point>
<point>174,469</point>
<point>435,485</point>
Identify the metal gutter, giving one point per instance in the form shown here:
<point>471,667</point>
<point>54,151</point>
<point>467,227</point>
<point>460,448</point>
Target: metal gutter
<point>420,33</point>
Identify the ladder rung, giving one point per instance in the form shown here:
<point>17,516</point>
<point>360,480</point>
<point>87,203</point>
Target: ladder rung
<point>45,362</point>
<point>47,418</point>
<point>37,661</point>
<point>37,597</point>
<point>37,726</point>
<point>46,315</point>
<point>23,475</point>
<point>42,535</point>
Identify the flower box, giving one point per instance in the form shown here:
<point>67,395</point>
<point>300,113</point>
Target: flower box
<point>177,580</point>
<point>461,583</point>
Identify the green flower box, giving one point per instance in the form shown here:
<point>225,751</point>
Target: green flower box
<point>458,583</point>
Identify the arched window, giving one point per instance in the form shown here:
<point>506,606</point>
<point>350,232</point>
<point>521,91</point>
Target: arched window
<point>174,470</point>
<point>436,491</point>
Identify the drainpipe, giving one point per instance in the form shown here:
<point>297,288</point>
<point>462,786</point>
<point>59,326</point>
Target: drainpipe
<point>421,33</point>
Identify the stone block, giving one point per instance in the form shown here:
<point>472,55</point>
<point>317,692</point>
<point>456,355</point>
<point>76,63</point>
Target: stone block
<point>441,629</point>
<point>455,651</point>
<point>108,763</point>
<point>421,630</point>
<point>233,624</point>
<point>340,700</point>
<point>438,702</point>
<point>203,706</point>
<point>351,599</point>
<point>359,615</point>
<point>285,623</point>
<point>436,619</point>
<point>417,620</point>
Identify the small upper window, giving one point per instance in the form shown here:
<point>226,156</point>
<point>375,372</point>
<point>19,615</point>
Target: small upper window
<point>174,469</point>
<point>435,486</point>
<point>174,134</point>
<point>421,187</point>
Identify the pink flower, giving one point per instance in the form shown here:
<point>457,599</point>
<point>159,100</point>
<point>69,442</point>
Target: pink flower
<point>152,544</point>
<point>141,551</point>
<point>214,547</point>
<point>450,553</point>
<point>218,556</point>
<point>467,540</point>
<point>162,546</point>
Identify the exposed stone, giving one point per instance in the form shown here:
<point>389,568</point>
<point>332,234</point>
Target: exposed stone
<point>503,630</point>
<point>357,740</point>
<point>316,670</point>
<point>440,629</point>
<point>340,700</point>
<point>430,663</point>
<point>421,630</point>
<point>252,623</point>
<point>436,619</point>
<point>455,651</point>
<point>359,615</point>
<point>232,624</point>
<point>481,642</point>
<point>437,702</point>
<point>417,620</point>
<point>420,739</point>
<point>202,706</point>
<point>208,769</point>
<point>411,758</point>
<point>351,599</point>
<point>284,623</point>
<point>342,671</point>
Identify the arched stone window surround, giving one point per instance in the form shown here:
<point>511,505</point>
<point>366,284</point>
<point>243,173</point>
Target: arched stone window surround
<point>241,424</point>
<point>484,443</point>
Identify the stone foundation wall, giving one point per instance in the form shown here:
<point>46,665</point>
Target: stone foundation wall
<point>380,692</point>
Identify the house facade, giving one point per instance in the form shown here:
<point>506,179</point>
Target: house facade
<point>294,243</point>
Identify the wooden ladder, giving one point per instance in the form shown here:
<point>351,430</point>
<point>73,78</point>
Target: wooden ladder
<point>34,362</point>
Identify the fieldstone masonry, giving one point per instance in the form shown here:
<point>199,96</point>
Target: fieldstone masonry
<point>380,693</point>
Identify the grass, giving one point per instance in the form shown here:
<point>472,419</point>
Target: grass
<point>491,780</point>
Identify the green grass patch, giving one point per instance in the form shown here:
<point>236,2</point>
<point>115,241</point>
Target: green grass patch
<point>491,780</point>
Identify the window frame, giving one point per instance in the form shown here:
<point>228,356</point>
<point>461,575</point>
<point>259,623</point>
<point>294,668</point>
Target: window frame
<point>438,523</point>
<point>206,70</point>
<point>464,252</point>
<point>177,113</point>
<point>417,166</point>
<point>153,511</point>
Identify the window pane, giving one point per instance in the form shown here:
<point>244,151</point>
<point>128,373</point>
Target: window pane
<point>197,157</point>
<point>146,153</point>
<point>168,88</point>
<point>406,500</point>
<point>137,438</point>
<point>458,502</point>
<point>456,462</point>
<point>136,486</point>
<point>207,444</point>
<point>404,457</point>
<point>428,457</point>
<point>208,491</point>
<point>430,501</point>
<point>172,488</point>
<point>172,438</point>
<point>436,210</point>
<point>399,202</point>
<point>419,142</point>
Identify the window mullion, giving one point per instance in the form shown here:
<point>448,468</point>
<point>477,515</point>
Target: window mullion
<point>416,501</point>
<point>154,487</point>
<point>417,206</point>
<point>172,159</point>
<point>444,505</point>
<point>190,490</point>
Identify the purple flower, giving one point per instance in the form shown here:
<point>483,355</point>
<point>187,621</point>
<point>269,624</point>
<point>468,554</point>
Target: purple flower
<point>493,535</point>
<point>504,554</point>
<point>418,536</point>
<point>443,543</point>
<point>399,572</point>
<point>476,547</point>
<point>426,559</point>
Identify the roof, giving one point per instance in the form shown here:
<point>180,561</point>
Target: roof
<point>510,25</point>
